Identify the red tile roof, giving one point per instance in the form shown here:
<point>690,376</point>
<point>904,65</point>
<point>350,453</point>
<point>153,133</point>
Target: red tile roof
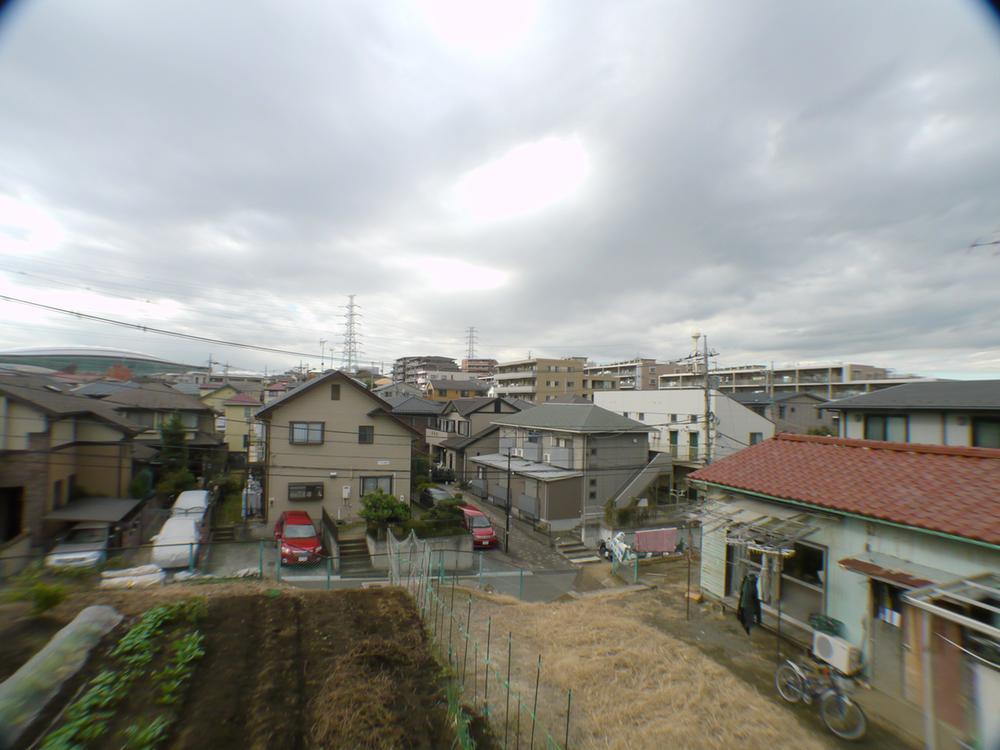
<point>243,399</point>
<point>940,488</point>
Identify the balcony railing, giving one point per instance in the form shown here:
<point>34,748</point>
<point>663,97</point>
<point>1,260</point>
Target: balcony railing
<point>517,374</point>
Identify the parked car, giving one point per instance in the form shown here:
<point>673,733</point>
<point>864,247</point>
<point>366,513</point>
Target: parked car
<point>431,496</point>
<point>192,503</point>
<point>296,537</point>
<point>84,546</point>
<point>478,524</point>
<point>177,544</point>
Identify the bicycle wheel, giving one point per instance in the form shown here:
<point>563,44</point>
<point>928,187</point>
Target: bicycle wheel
<point>843,716</point>
<point>789,683</point>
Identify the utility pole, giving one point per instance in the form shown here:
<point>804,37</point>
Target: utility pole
<point>506,536</point>
<point>322,354</point>
<point>708,402</point>
<point>351,335</point>
<point>470,337</point>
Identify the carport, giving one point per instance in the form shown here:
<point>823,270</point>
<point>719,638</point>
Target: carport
<point>117,511</point>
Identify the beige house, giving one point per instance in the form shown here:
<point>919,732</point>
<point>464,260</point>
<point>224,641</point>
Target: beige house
<point>327,443</point>
<point>540,380</point>
<point>243,434</point>
<point>464,418</point>
<point>54,445</point>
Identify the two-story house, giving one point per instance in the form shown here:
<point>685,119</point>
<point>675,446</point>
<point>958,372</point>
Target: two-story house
<point>676,418</point>
<point>565,462</point>
<point>465,427</point>
<point>243,434</point>
<point>153,404</point>
<point>54,444</point>
<point>943,412</point>
<point>328,442</point>
<point>420,413</point>
<point>446,390</point>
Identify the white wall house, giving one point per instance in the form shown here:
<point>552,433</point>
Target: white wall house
<point>679,418</point>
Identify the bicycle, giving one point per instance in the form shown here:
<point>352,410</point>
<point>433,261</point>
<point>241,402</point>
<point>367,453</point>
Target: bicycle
<point>842,716</point>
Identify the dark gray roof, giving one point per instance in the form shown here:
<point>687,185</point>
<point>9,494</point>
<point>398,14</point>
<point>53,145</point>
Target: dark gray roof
<point>155,397</point>
<point>461,441</point>
<point>460,385</point>
<point>466,406</point>
<point>935,395</point>
<point>573,418</point>
<point>102,388</point>
<point>415,405</point>
<point>570,398</point>
<point>47,395</point>
<point>108,509</point>
<point>758,398</point>
<point>191,389</point>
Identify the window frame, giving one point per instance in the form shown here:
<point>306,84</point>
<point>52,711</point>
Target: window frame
<point>309,428</point>
<point>376,478</point>
<point>366,430</point>
<point>311,491</point>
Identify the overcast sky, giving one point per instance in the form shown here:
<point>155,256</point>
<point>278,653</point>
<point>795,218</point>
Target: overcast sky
<point>799,180</point>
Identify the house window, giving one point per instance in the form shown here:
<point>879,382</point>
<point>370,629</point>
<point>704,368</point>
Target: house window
<point>593,482</point>
<point>370,484</point>
<point>570,383</point>
<point>305,433</point>
<point>781,412</point>
<point>564,443</point>
<point>190,420</point>
<point>986,433</point>
<point>593,451</point>
<point>57,494</point>
<point>652,382</point>
<point>335,391</point>
<point>885,427</point>
<point>142,418</point>
<point>756,437</point>
<point>305,492</point>
<point>534,437</point>
<point>673,418</point>
<point>11,513</point>
<point>366,434</point>
<point>246,413</point>
<point>640,415</point>
<point>246,442</point>
<point>463,428</point>
<point>593,495</point>
<point>693,418</point>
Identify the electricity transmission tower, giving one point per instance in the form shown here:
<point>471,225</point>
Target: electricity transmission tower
<point>470,338</point>
<point>352,335</point>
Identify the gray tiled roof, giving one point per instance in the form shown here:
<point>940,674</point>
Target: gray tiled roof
<point>415,405</point>
<point>763,397</point>
<point>46,395</point>
<point>155,398</point>
<point>102,388</point>
<point>573,418</point>
<point>461,441</point>
<point>966,395</point>
<point>466,406</point>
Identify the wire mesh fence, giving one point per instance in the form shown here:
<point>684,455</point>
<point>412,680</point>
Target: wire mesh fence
<point>479,665</point>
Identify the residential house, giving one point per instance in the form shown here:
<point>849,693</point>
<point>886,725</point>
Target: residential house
<point>539,380</point>
<point>464,418</point>
<point>405,369</point>
<point>420,413</point>
<point>397,390</point>
<point>828,380</point>
<point>275,391</point>
<point>243,434</point>
<point>793,411</point>
<point>565,461</point>
<point>153,404</point>
<point>215,396</point>
<point>849,528</point>
<point>957,412</point>
<point>102,388</point>
<point>330,441</point>
<point>676,419</point>
<point>639,374</point>
<point>53,445</point>
<point>447,390</point>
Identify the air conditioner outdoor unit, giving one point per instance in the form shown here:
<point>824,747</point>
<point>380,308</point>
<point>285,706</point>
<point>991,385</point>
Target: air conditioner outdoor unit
<point>547,458</point>
<point>838,653</point>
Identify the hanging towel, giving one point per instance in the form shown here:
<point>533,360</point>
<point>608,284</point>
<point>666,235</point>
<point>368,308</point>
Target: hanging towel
<point>748,611</point>
<point>656,540</point>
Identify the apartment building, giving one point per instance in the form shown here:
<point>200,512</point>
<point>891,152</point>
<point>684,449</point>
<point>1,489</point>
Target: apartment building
<point>405,369</point>
<point>828,380</point>
<point>540,380</point>
<point>479,367</point>
<point>633,374</point>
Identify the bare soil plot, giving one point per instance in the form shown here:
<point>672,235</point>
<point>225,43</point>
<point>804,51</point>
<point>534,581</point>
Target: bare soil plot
<point>293,669</point>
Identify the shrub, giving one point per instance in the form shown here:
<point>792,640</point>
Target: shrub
<point>174,482</point>
<point>141,485</point>
<point>380,509</point>
<point>45,596</point>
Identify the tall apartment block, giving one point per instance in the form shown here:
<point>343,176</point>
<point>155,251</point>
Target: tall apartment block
<point>540,380</point>
<point>405,369</point>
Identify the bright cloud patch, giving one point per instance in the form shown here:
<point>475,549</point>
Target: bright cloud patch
<point>527,179</point>
<point>480,27</point>
<point>440,274</point>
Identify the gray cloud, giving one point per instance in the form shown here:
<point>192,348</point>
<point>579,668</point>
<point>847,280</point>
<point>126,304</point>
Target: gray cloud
<point>798,181</point>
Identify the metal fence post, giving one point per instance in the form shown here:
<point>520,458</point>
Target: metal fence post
<point>329,571</point>
<point>486,687</point>
<point>506,715</point>
<point>534,705</point>
<point>260,559</point>
<point>191,558</point>
<point>569,705</point>
<point>480,568</point>
<point>520,585</point>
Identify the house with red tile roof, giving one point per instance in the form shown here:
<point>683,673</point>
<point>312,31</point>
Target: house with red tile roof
<point>864,522</point>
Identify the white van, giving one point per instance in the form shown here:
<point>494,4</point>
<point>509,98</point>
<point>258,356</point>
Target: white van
<point>176,546</point>
<point>191,504</point>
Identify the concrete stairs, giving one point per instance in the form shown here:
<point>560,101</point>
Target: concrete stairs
<point>354,558</point>
<point>223,534</point>
<point>569,546</point>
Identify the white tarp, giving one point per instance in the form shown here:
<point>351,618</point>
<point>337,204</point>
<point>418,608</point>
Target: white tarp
<point>176,546</point>
<point>25,693</point>
<point>191,504</point>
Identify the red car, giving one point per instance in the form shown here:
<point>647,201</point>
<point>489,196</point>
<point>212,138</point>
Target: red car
<point>480,527</point>
<point>297,539</point>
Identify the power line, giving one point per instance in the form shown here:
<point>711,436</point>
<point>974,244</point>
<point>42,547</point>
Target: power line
<point>150,329</point>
